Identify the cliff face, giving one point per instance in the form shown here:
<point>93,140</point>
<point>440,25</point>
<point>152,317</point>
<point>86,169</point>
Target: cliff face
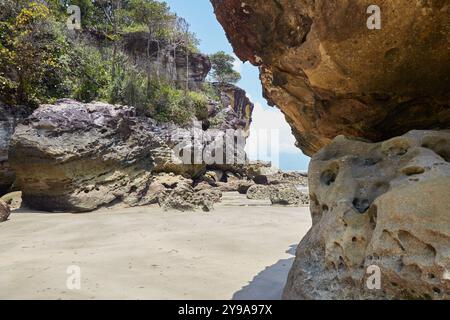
<point>331,75</point>
<point>235,109</point>
<point>167,61</point>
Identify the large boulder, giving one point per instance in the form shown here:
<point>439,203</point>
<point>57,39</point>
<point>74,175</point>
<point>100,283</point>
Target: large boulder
<point>381,205</point>
<point>288,195</point>
<point>184,198</point>
<point>279,194</point>
<point>77,157</point>
<point>259,192</point>
<point>331,75</point>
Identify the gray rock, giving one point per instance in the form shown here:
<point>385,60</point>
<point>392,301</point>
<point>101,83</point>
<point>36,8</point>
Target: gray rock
<point>185,198</point>
<point>4,211</point>
<point>288,195</point>
<point>259,192</point>
<point>244,185</point>
<point>75,157</point>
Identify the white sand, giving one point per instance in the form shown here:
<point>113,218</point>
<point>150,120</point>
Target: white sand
<point>240,252</point>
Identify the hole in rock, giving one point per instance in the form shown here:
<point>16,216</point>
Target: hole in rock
<point>262,179</point>
<point>328,177</point>
<point>314,200</point>
<point>206,125</point>
<point>413,170</point>
<point>362,205</point>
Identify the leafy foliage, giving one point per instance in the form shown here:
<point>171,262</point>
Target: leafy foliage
<point>33,57</point>
<point>41,60</point>
<point>222,66</point>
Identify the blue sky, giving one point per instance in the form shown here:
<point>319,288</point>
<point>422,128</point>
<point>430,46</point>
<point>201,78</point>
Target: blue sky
<point>200,16</point>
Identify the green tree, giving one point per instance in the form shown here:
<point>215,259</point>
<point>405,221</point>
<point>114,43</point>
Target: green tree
<point>33,56</point>
<point>222,68</point>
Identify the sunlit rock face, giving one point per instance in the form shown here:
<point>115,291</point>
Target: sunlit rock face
<point>331,75</point>
<point>377,204</point>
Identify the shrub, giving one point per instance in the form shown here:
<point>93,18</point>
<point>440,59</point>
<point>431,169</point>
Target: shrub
<point>198,102</point>
<point>90,74</point>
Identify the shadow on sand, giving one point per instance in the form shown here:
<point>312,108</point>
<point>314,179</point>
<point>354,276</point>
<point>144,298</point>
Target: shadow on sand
<point>269,283</point>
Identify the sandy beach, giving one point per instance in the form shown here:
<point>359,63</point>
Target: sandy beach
<point>242,250</point>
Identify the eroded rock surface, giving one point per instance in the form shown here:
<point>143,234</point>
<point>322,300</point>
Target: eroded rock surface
<point>77,157</point>
<point>184,198</point>
<point>383,204</point>
<point>288,196</point>
<point>331,75</point>
<point>4,211</point>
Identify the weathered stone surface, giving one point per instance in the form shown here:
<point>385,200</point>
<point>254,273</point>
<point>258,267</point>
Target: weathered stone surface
<point>331,75</point>
<point>13,200</point>
<point>77,157</point>
<point>285,194</point>
<point>294,178</point>
<point>202,186</point>
<point>169,63</point>
<point>235,111</point>
<point>244,185</point>
<point>288,195</point>
<point>185,198</point>
<point>9,118</point>
<point>383,204</point>
<point>250,169</point>
<point>4,211</point>
<point>259,192</point>
<point>228,186</point>
<point>170,180</point>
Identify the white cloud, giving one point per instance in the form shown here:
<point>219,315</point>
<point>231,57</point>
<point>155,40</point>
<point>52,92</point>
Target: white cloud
<point>269,122</point>
<point>237,64</point>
